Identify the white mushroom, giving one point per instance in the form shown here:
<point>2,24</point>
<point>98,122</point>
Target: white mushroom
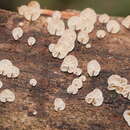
<point>83,37</point>
<point>126,116</point>
<point>55,25</point>
<point>78,71</point>
<point>95,97</point>
<point>17,33</point>
<point>101,34</point>
<point>72,89</point>
<point>93,68</point>
<point>113,26</point>
<point>31,41</point>
<point>33,82</point>
<point>89,14</point>
<point>73,22</point>
<point>88,45</point>
<point>7,95</point>
<point>22,9</point>
<point>64,45</point>
<point>83,78</point>
<point>59,104</point>
<point>126,22</point>
<point>104,18</point>
<point>69,64</point>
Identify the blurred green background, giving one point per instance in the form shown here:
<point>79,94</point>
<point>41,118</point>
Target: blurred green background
<point>112,7</point>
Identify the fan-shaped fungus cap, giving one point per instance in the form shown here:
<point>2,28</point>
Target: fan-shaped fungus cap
<point>116,81</point>
<point>101,34</point>
<point>7,95</point>
<point>72,89</point>
<point>31,41</point>
<point>113,26</point>
<point>73,22</point>
<point>33,82</point>
<point>22,9</point>
<point>69,64</point>
<point>34,4</point>
<point>59,104</point>
<point>77,82</point>
<point>83,78</point>
<point>56,15</point>
<point>93,68</point>
<point>17,33</point>
<point>126,22</point>
<point>89,14</point>
<point>104,18</point>
<point>126,116</point>
<point>78,71</point>
<point>88,45</point>
<point>83,37</point>
<point>95,97</point>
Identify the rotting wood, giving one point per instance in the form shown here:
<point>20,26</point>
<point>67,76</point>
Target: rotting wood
<point>113,54</point>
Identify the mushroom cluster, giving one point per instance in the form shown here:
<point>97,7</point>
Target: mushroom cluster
<point>65,44</point>
<point>7,96</point>
<point>120,85</point>
<point>55,25</point>
<point>95,97</point>
<point>8,69</point>
<point>77,83</point>
<point>31,11</point>
<point>70,65</point>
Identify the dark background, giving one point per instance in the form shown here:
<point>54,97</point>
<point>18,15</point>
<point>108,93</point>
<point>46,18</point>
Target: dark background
<point>112,7</point>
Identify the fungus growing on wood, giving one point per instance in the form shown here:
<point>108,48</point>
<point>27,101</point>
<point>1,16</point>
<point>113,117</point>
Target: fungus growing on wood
<point>8,69</point>
<point>83,37</point>
<point>7,96</point>
<point>59,104</point>
<point>88,45</point>
<point>55,25</point>
<point>73,22</point>
<point>95,97</point>
<point>17,33</point>
<point>101,34</point>
<point>31,41</point>
<point>77,83</point>
<point>70,64</point>
<point>126,22</point>
<point>93,68</point>
<point>31,12</point>
<point>104,18</point>
<point>33,82</point>
<point>126,116</point>
<point>113,26</point>
<point>64,45</point>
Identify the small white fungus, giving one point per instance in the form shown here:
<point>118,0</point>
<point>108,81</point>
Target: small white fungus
<point>31,41</point>
<point>113,26</point>
<point>59,104</point>
<point>7,96</point>
<point>126,116</point>
<point>83,37</point>
<point>126,22</point>
<point>17,33</point>
<point>93,68</point>
<point>33,82</point>
<point>95,97</point>
<point>101,34</point>
<point>88,45</point>
<point>104,18</point>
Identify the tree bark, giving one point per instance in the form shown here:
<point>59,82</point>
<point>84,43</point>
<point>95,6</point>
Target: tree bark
<point>112,52</point>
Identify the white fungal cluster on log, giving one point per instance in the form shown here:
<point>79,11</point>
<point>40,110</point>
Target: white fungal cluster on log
<point>31,11</point>
<point>8,69</point>
<point>77,83</point>
<point>7,96</point>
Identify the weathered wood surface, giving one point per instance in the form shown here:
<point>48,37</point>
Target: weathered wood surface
<point>113,53</point>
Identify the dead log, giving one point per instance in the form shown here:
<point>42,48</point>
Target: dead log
<point>113,53</point>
